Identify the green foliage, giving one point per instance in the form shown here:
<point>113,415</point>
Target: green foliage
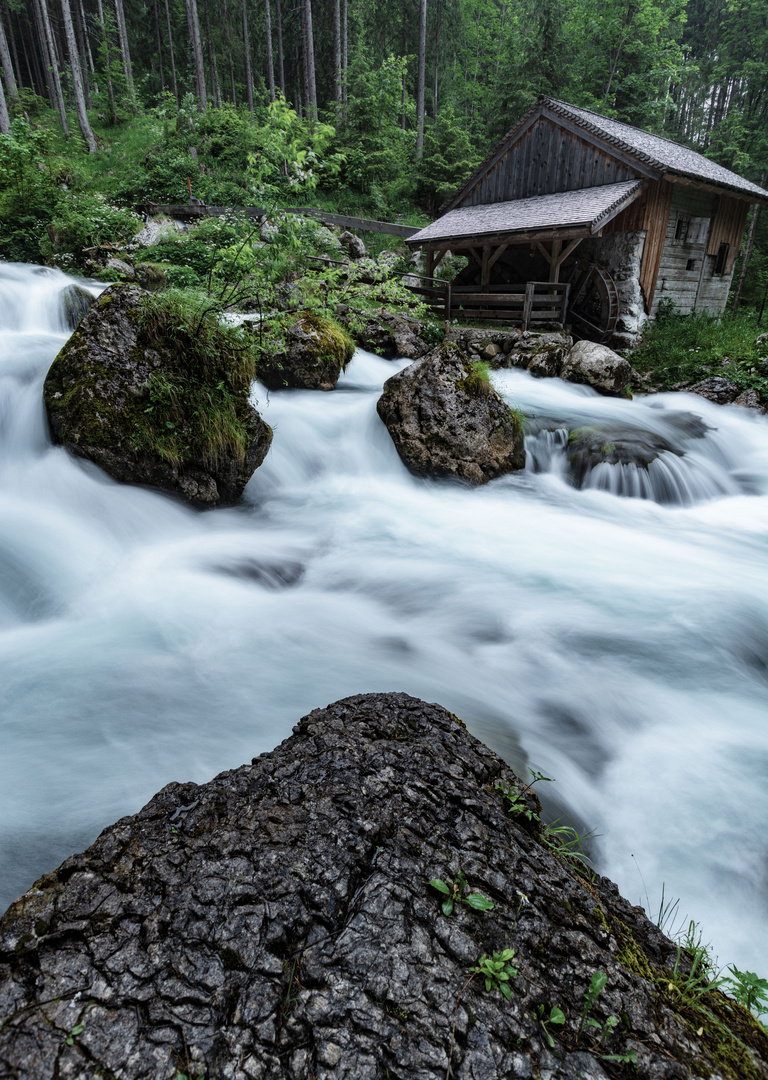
<point>682,349</point>
<point>83,220</point>
<point>496,971</point>
<point>479,380</point>
<point>514,800</point>
<point>693,974</point>
<point>450,155</point>
<point>566,842</point>
<point>199,406</point>
<point>748,989</point>
<point>78,1029</point>
<point>458,892</point>
<point>291,155</point>
<point>556,1016</point>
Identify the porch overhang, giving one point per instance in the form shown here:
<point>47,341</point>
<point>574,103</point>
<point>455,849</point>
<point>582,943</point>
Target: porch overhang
<point>566,215</point>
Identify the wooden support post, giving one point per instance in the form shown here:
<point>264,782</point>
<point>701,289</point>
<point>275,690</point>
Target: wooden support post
<point>528,303</point>
<point>564,305</point>
<point>447,309</point>
<point>430,261</point>
<point>554,260</point>
<point>485,272</point>
<point>567,250</point>
<point>497,255</point>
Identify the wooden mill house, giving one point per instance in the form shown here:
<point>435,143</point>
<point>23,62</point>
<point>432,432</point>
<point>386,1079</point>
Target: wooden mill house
<point>574,217</point>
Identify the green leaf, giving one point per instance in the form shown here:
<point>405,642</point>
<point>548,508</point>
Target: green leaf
<point>447,906</point>
<point>504,987</point>
<point>440,885</point>
<point>479,902</point>
<point>557,1016</point>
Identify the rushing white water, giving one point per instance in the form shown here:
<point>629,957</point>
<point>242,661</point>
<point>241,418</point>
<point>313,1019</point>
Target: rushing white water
<point>617,644</point>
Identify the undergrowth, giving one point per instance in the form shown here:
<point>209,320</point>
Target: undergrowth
<point>679,350</point>
<point>198,407</point>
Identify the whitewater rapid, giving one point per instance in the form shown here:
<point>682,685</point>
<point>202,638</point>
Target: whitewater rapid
<point>617,644</point>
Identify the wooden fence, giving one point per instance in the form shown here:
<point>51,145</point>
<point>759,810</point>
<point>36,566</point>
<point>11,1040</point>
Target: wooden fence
<point>532,305</point>
<point>194,211</point>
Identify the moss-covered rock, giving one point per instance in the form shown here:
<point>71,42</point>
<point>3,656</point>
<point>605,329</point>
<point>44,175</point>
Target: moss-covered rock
<point>315,353</point>
<point>75,302</point>
<point>446,419</point>
<point>156,393</point>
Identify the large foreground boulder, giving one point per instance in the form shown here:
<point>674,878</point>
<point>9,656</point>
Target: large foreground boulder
<point>599,367</point>
<point>155,396</point>
<point>280,923</point>
<point>315,353</point>
<point>446,420</point>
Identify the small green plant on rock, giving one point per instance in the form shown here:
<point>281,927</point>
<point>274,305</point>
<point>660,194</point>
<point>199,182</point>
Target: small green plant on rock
<point>748,989</point>
<point>458,892</point>
<point>556,1016</point>
<point>693,974</point>
<point>497,970</point>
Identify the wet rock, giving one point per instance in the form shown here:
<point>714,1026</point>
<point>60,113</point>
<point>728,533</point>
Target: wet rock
<point>353,245</point>
<point>98,399</point>
<point>155,230</point>
<point>750,399</point>
<point>151,276</point>
<point>315,354</point>
<point>717,389</point>
<point>389,334</point>
<point>447,421</point>
<point>613,445</point>
<point>278,922</point>
<point>75,303</point>
<point>599,367</point>
<point>121,268</point>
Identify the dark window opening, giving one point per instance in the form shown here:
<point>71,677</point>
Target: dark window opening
<point>691,264</point>
<point>721,260</point>
<point>681,229</point>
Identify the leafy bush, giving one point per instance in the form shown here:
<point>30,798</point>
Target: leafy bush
<point>82,220</point>
<point>682,349</point>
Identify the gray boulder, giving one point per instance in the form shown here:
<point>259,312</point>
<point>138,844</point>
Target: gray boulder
<point>75,302</point>
<point>314,353</point>
<point>750,399</point>
<point>446,420</point>
<point>390,334</point>
<point>352,245</point>
<point>599,367</point>
<point>108,398</point>
<point>717,389</point>
<point>279,923</point>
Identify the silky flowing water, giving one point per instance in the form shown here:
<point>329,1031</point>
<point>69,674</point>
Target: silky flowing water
<point>618,644</point>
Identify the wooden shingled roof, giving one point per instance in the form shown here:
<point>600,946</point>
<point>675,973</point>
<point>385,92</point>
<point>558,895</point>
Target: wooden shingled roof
<point>653,155</point>
<point>569,213</point>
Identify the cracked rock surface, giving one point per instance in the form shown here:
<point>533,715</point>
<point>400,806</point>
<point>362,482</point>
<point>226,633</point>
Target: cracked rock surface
<point>278,922</point>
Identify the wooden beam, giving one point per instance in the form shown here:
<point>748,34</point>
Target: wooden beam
<point>554,261</point>
<point>568,250</point>
<point>543,250</point>
<point>497,255</point>
<point>485,272</point>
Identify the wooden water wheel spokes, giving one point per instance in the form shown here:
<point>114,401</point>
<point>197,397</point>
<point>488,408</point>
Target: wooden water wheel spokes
<point>594,302</point>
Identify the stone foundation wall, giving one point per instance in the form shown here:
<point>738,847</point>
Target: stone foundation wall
<point>621,254</point>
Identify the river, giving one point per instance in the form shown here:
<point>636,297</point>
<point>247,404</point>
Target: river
<point>617,644</point>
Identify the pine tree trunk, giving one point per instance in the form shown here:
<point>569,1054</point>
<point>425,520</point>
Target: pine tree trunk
<point>270,60</point>
<point>5,120</point>
<point>437,60</point>
<point>7,66</point>
<point>212,80</point>
<point>42,54</point>
<point>80,38</point>
<point>77,79</point>
<point>232,79</point>
<point>124,49</point>
<point>159,40</point>
<point>280,55</point>
<point>108,58</point>
<point>197,53</point>
<point>91,65</point>
<point>248,72</point>
<point>337,91</point>
<point>747,251</point>
<point>310,46</point>
<point>344,56</point>
<point>31,62</point>
<point>173,58</point>
<point>7,14</point>
<point>422,74</point>
<point>50,51</point>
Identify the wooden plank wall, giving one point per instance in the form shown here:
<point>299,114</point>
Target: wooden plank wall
<point>657,200</point>
<point>728,228</point>
<point>547,158</point>
<point>675,281</point>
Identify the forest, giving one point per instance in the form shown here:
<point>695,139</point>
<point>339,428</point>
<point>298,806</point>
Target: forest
<point>363,107</point>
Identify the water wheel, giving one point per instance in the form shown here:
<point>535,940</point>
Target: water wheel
<point>593,307</point>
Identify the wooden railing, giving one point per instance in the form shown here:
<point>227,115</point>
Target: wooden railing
<point>194,211</point>
<point>532,305</point>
